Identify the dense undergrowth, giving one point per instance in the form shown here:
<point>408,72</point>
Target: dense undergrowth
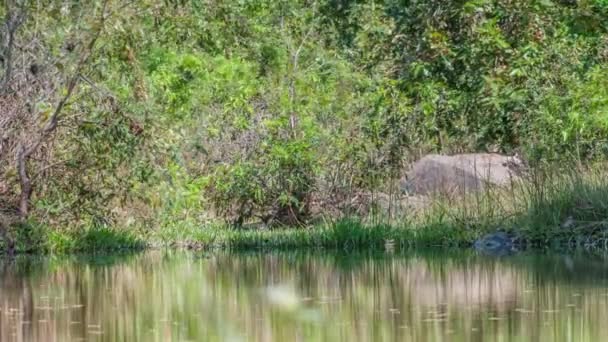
<point>562,212</point>
<point>146,122</point>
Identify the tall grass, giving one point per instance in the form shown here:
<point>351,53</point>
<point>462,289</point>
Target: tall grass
<point>546,208</point>
<point>36,238</point>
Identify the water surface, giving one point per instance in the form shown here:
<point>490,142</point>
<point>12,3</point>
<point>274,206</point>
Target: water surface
<point>305,296</point>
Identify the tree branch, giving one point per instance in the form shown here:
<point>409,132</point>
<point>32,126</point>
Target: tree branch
<point>24,153</point>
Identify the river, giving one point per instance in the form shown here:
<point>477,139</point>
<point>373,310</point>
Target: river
<point>305,296</point>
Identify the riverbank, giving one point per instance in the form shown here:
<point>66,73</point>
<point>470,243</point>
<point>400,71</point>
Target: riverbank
<point>346,234</point>
<point>558,211</point>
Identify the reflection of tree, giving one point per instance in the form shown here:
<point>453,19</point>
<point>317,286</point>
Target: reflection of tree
<point>159,297</point>
<point>16,298</point>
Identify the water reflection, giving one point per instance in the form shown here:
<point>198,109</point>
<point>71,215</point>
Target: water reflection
<point>166,296</point>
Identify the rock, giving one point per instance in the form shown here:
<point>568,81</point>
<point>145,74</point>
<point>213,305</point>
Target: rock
<point>499,243</point>
<point>459,174</point>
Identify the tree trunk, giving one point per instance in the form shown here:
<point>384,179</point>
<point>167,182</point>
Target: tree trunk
<point>25,182</point>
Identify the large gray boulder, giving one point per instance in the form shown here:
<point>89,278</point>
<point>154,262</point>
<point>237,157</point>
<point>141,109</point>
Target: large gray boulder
<point>461,173</point>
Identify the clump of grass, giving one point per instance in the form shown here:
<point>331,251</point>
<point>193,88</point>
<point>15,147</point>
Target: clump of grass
<point>547,207</point>
<point>350,233</point>
<point>567,208</point>
<point>105,240</point>
<point>36,238</point>
<point>95,240</point>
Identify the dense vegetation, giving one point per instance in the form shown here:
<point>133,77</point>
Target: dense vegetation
<point>149,114</point>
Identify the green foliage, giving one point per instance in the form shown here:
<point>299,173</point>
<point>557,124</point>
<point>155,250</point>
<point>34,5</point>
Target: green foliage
<point>478,75</point>
<point>260,110</point>
<point>483,74</point>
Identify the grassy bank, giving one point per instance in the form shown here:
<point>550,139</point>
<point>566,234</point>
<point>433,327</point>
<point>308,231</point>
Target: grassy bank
<point>344,234</point>
<point>546,210</point>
